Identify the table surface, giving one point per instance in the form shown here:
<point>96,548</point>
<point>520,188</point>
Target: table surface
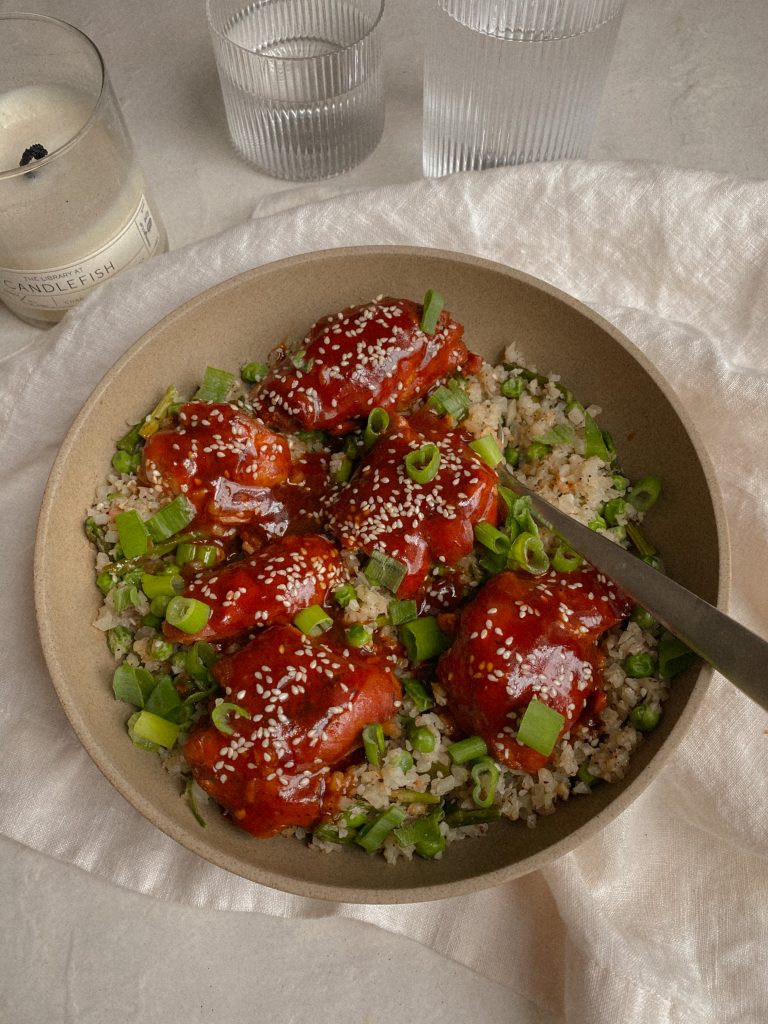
<point>688,87</point>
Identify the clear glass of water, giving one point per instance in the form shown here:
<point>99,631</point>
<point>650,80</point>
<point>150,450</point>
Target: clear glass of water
<point>302,82</point>
<point>513,81</point>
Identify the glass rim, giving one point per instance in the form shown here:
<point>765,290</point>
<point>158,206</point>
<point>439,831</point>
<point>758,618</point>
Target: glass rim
<point>15,172</point>
<point>291,60</point>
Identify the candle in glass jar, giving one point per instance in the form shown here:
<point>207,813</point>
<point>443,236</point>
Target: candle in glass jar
<point>81,213</point>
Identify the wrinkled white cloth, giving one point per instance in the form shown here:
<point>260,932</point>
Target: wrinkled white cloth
<point>664,916</point>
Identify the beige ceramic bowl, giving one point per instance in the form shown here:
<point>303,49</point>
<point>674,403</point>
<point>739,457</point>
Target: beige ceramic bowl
<point>239,321</point>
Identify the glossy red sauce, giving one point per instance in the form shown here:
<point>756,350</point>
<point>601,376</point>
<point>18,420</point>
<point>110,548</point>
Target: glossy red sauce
<point>365,356</point>
<point>220,458</point>
<point>521,638</point>
<point>269,587</point>
<point>383,509</point>
<point>309,701</point>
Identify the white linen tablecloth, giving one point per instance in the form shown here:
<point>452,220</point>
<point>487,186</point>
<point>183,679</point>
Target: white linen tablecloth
<point>664,916</point>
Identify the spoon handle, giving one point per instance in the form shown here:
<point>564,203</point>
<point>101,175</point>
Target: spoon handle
<point>736,652</point>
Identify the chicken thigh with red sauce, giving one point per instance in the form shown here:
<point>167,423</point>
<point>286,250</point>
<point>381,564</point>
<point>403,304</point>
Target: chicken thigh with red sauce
<point>525,637</point>
<point>417,524</point>
<point>366,356</point>
<point>269,587</point>
<point>309,701</point>
<point>221,458</point>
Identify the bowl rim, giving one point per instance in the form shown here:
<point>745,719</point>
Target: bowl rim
<point>323,890</point>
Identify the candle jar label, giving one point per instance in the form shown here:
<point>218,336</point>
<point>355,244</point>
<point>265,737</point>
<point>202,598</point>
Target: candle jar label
<point>27,291</point>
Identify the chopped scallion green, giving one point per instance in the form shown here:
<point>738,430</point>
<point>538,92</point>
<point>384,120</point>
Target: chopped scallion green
<point>221,713</point>
<point>376,426</point>
<point>344,595</point>
<point>401,611</point>
<point>468,749</point>
<point>374,744</point>
<point>423,639</point>
<point>252,373</point>
<point>418,693</point>
<point>383,571</point>
<point>645,493</point>
<point>431,309</point>
<point>372,837</point>
<point>171,518</point>
<point>540,727</point>
<point>216,385</point>
<point>151,729</point>
<point>485,775</point>
<point>488,449</point>
<point>187,614</point>
<point>313,620</point>
<point>423,464</point>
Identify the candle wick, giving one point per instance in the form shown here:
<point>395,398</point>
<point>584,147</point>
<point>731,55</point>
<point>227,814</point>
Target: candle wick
<point>34,152</point>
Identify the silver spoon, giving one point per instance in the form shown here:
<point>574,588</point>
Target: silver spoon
<point>735,651</point>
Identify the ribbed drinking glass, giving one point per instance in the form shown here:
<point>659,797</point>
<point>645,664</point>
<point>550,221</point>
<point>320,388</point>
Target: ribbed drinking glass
<point>513,81</point>
<point>302,82</point>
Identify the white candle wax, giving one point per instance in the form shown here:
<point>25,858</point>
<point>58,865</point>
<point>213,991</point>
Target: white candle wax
<point>76,220</point>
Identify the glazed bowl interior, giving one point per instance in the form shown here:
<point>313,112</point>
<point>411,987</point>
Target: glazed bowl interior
<point>240,321</point>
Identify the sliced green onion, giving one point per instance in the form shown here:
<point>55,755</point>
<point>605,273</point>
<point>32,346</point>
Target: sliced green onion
<point>415,796</point>
<point>404,761</point>
<point>133,685</point>
<point>645,493</point>
<point>488,449</point>
<point>133,534</point>
<point>598,523</point>
<point>314,439</point>
<point>124,463</point>
<point>221,713</point>
<point>216,385</point>
<point>383,571</point>
<point>189,793</point>
<point>358,636</point>
<point>300,361</point>
<point>129,442</point>
<point>423,639</point>
<point>449,402</point>
<point>372,837</point>
<point>620,483</point>
<point>344,470</point>
<point>493,562</point>
<point>424,834</point>
<point>493,539</point>
<point>594,441</point>
<point>119,641</point>
<point>609,445</point>
<point>613,510</point>
<point>374,744</point>
<point>152,422</point>
<point>421,739</point>
<point>313,621</point>
<point>187,614</point>
<point>171,518</point>
<point>565,559</point>
<point>252,373</point>
<point>153,621</point>
<point>125,596</point>
<point>461,818</point>
<point>201,554</point>
<point>376,426</point>
<point>344,595</point>
<point>330,834</point>
<point>431,309</point>
<point>422,465</point>
<point>164,700</point>
<point>674,656</point>
<point>639,666</point>
<point>401,611</point>
<point>512,387</point>
<point>644,717</point>
<point>468,749</point>
<point>537,450</point>
<point>561,433</point>
<point>198,660</point>
<point>485,775</point>
<point>161,586</point>
<point>95,534</point>
<point>151,729</point>
<point>418,693</point>
<point>540,728</point>
<point>527,552</point>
